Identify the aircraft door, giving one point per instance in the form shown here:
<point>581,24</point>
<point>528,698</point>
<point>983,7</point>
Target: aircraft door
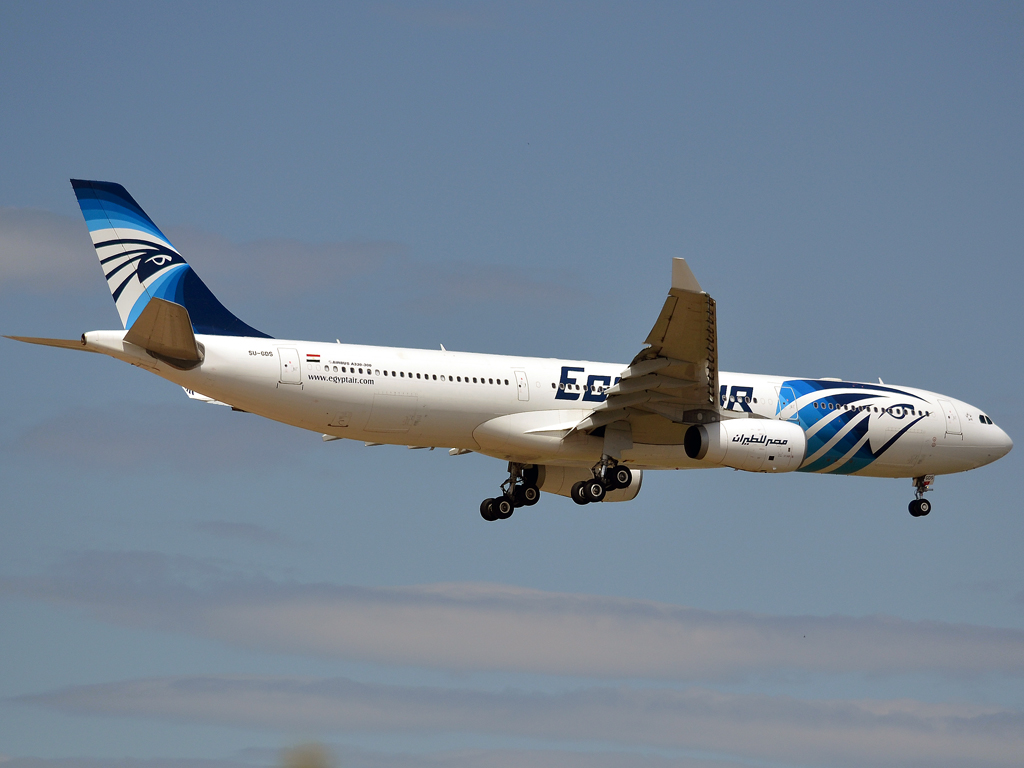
<point>952,417</point>
<point>290,371</point>
<point>787,404</point>
<point>523,384</point>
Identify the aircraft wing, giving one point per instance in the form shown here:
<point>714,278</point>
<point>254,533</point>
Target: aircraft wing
<point>674,379</point>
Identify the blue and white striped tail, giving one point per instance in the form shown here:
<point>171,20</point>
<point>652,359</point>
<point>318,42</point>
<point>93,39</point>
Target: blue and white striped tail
<point>140,263</point>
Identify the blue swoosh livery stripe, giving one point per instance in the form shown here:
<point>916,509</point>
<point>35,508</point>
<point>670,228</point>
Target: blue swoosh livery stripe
<point>858,422</point>
<point>105,205</point>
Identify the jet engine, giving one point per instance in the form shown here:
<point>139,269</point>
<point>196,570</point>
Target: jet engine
<point>753,445</point>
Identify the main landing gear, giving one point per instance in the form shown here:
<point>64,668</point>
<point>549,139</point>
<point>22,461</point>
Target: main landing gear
<point>520,490</point>
<point>609,475</point>
<point>920,506</point>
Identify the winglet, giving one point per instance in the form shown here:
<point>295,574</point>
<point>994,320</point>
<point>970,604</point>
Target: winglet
<point>682,277</point>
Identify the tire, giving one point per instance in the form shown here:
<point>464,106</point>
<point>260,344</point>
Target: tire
<point>577,493</point>
<point>518,497</point>
<point>923,507</point>
<point>621,476</point>
<point>915,508</point>
<point>594,491</point>
<point>487,510</point>
<point>531,495</point>
<point>503,507</point>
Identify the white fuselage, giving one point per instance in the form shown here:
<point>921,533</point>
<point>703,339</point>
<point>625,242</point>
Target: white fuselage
<point>524,409</point>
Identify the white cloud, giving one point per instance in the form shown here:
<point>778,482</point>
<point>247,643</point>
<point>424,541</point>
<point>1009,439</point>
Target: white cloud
<point>466,627</point>
<point>45,249</point>
<point>124,762</point>
<point>282,268</point>
<point>250,532</point>
<point>774,728</point>
<point>349,757</point>
<point>190,437</point>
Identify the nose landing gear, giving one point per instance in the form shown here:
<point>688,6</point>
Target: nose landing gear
<point>920,506</point>
<point>520,490</point>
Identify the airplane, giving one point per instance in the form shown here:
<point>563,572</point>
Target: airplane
<point>577,428</point>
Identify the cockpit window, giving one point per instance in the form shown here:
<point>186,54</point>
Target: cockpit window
<point>984,419</point>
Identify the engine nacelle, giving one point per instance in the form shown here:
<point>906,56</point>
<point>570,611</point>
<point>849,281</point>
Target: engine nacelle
<point>561,479</point>
<point>753,445</point>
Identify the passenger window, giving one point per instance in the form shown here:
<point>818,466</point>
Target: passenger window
<point>506,382</point>
<point>435,377</point>
<point>553,385</point>
<point>490,381</point>
<point>403,374</point>
<point>417,375</point>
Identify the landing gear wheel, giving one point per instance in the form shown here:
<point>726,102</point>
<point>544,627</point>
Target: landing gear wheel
<point>920,507</point>
<point>594,490</point>
<point>531,495</point>
<point>621,476</point>
<point>518,497</point>
<point>576,492</point>
<point>503,507</point>
<point>487,510</point>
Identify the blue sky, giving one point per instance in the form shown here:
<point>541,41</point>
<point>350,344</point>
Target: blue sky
<point>185,586</point>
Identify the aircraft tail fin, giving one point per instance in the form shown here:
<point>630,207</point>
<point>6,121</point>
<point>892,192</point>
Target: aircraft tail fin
<point>140,264</point>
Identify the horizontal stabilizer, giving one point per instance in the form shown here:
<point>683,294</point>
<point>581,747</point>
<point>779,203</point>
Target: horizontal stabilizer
<point>164,328</point>
<point>65,343</point>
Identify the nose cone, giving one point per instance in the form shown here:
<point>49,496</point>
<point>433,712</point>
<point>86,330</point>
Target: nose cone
<point>1002,443</point>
